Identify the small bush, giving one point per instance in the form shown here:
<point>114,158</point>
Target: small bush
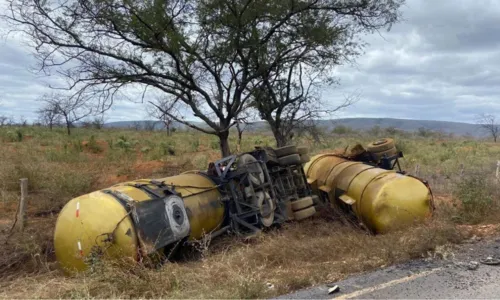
<point>195,144</point>
<point>167,148</point>
<point>475,199</point>
<point>14,136</point>
<point>214,144</point>
<point>93,146</point>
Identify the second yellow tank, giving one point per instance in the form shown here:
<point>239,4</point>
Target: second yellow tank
<point>381,199</point>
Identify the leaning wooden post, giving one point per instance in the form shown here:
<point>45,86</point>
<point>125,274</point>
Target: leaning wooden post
<point>498,171</point>
<point>22,204</point>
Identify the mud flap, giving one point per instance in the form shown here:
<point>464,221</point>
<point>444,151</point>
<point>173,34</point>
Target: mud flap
<point>160,222</point>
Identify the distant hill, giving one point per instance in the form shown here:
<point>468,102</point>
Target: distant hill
<point>456,128</point>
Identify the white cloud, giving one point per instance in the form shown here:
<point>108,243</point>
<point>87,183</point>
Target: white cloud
<point>442,62</point>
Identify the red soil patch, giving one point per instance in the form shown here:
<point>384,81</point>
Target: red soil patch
<point>103,144</point>
<point>109,180</point>
<point>148,167</point>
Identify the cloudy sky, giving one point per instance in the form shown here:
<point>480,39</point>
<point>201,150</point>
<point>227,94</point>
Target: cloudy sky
<point>442,62</point>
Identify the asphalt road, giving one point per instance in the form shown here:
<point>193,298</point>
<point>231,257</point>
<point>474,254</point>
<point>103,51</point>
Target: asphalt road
<point>455,277</point>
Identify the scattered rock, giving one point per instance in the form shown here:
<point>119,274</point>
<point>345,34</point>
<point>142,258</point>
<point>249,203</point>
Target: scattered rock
<point>473,265</point>
<point>270,285</point>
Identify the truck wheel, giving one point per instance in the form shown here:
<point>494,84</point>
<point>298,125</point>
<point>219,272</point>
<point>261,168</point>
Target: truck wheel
<point>305,213</point>
<point>266,208</point>
<point>256,178</point>
<point>285,151</point>
<point>389,152</point>
<point>302,203</point>
<point>315,199</point>
<point>381,145</point>
<point>293,159</point>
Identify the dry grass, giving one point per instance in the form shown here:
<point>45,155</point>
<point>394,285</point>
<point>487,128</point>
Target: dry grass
<point>282,260</point>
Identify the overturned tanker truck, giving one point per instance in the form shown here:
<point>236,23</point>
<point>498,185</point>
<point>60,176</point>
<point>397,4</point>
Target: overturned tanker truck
<point>240,194</point>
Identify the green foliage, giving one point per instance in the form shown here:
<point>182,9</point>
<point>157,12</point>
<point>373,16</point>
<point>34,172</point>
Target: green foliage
<point>214,144</point>
<point>342,130</point>
<point>475,197</point>
<point>14,136</point>
<point>167,148</point>
<point>124,143</point>
<point>195,144</point>
<point>93,146</point>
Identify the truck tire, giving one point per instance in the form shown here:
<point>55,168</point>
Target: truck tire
<point>389,152</point>
<point>315,199</point>
<point>266,208</point>
<point>305,213</point>
<point>289,211</point>
<point>293,159</point>
<point>381,145</point>
<point>285,151</point>
<point>302,150</point>
<point>256,178</point>
<point>302,203</point>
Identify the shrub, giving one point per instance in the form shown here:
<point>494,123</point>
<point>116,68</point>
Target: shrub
<point>475,198</point>
<point>93,146</point>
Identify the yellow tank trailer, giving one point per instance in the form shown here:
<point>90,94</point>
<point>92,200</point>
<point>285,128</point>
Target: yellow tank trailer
<point>242,194</point>
<point>105,219</point>
<point>381,199</point>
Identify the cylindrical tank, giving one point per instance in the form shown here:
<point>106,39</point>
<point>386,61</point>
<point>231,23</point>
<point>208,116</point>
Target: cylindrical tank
<point>86,221</point>
<point>381,199</point>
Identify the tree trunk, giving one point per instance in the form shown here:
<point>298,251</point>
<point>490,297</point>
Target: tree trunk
<point>167,127</point>
<point>281,139</point>
<point>68,127</point>
<point>224,143</point>
<point>240,136</point>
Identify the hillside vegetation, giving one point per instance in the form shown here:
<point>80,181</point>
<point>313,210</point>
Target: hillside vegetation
<point>364,124</point>
<point>461,173</point>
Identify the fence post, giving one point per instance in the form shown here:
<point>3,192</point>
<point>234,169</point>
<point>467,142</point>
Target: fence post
<point>22,204</point>
<point>497,175</point>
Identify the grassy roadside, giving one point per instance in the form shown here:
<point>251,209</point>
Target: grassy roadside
<point>319,250</point>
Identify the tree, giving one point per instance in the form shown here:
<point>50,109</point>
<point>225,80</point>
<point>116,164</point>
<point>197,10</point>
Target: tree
<point>48,115</point>
<point>489,124</point>
<point>289,101</point>
<point>205,53</point>
<point>70,109</point>
<point>166,110</point>
<point>309,45</point>
<point>242,123</point>
<point>3,120</point>
<point>149,125</point>
<point>99,121</point>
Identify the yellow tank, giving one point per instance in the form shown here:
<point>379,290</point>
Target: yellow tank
<point>102,219</point>
<point>381,199</point>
